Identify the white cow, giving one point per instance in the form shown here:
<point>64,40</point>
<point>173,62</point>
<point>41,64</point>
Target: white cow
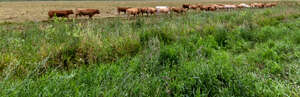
<point>229,6</point>
<point>243,5</point>
<point>163,9</point>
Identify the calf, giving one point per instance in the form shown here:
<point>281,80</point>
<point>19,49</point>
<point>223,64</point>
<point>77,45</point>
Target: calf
<point>86,12</point>
<point>60,13</point>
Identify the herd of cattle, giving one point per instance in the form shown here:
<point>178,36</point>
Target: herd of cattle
<point>150,10</point>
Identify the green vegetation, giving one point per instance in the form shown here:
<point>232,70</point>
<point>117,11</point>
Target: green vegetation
<point>248,52</point>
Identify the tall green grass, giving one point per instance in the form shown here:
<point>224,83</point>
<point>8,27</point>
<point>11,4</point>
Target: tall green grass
<point>248,52</point>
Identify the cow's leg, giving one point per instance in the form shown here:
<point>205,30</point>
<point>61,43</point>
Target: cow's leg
<point>128,16</point>
<point>135,15</point>
<point>90,16</point>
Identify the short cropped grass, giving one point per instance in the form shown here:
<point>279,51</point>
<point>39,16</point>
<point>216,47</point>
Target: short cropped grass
<point>244,53</point>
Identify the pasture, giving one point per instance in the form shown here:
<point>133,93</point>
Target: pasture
<point>37,11</point>
<point>252,52</point>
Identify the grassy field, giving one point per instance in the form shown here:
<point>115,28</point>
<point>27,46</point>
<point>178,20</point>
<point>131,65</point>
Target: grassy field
<point>38,11</point>
<point>243,53</point>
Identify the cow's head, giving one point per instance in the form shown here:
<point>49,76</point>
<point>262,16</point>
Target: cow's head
<point>97,11</point>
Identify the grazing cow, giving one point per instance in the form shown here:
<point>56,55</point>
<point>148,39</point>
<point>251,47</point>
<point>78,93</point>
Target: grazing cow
<point>151,10</point>
<point>243,5</point>
<point>230,6</point>
<point>147,10</point>
<point>133,11</point>
<point>206,8</point>
<point>199,5</point>
<point>267,5</point>
<point>122,9</point>
<point>186,6</point>
<point>273,4</point>
<point>86,12</point>
<point>178,10</point>
<point>212,8</point>
<point>60,13</point>
<point>219,6</point>
<point>257,5</point>
<point>144,10</point>
<point>163,10</point>
<point>253,5</point>
<point>260,5</point>
<point>270,4</point>
<point>193,7</point>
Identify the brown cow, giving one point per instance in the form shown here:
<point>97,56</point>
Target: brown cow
<point>257,5</point>
<point>178,10</point>
<point>260,5</point>
<point>147,10</point>
<point>273,4</point>
<point>122,9</point>
<point>60,13</point>
<point>267,5</point>
<point>86,12</point>
<point>213,7</point>
<point>199,5</point>
<point>270,4</point>
<point>218,6</point>
<point>194,7</point>
<point>151,10</point>
<point>186,6</point>
<point>133,11</point>
<point>206,8</point>
<point>144,10</point>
